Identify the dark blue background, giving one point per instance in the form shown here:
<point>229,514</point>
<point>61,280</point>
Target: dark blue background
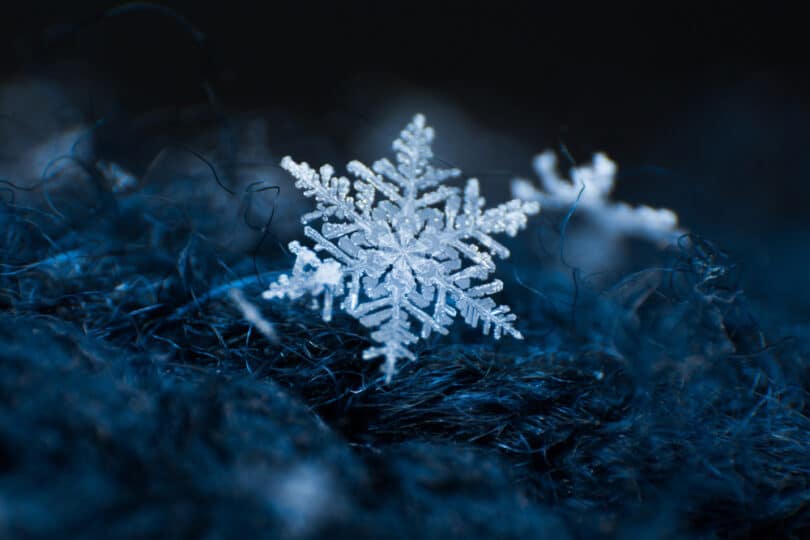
<point>704,106</point>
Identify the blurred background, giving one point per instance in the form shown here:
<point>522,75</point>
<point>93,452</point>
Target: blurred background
<point>705,107</point>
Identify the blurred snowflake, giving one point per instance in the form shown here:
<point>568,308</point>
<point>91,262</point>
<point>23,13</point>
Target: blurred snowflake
<point>589,189</point>
<point>402,257</point>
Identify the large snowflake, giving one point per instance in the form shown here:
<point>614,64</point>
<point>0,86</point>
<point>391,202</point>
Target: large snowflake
<point>403,247</point>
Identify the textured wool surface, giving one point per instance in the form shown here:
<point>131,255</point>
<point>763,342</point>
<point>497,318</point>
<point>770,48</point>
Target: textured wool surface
<point>136,400</point>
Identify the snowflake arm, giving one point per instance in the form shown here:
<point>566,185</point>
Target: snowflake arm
<point>310,276</point>
<point>414,171</point>
<point>402,248</point>
<point>507,218</point>
<point>332,193</point>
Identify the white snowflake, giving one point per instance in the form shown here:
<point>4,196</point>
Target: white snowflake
<point>397,247</point>
<point>589,188</point>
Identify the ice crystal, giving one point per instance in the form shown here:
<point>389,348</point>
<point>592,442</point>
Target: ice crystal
<point>589,189</point>
<point>401,247</point>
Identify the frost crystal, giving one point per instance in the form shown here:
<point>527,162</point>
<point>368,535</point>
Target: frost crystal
<point>401,247</point>
<point>589,188</point>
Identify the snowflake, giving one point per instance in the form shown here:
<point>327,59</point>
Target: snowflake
<point>397,248</point>
<point>589,188</point>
